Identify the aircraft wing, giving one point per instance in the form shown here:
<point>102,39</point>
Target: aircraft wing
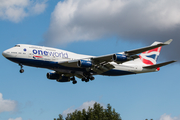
<point>140,50</point>
<point>96,67</point>
<point>131,55</point>
<point>70,63</point>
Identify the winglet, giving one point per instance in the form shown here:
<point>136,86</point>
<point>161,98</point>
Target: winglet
<point>168,42</point>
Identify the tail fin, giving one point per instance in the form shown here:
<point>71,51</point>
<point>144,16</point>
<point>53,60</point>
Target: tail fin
<point>150,57</point>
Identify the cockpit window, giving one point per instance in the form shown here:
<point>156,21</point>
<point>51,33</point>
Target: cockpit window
<point>17,46</point>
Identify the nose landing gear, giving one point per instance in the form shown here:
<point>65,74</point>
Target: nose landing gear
<point>21,70</point>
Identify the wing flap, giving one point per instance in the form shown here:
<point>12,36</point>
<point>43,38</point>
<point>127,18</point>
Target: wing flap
<point>70,63</point>
<point>102,68</point>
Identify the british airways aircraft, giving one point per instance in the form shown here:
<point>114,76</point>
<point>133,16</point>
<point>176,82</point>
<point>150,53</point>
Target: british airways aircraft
<point>67,65</point>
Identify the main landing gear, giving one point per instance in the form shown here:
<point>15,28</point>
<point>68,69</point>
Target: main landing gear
<point>89,77</point>
<point>21,70</point>
<point>73,79</point>
<point>86,79</point>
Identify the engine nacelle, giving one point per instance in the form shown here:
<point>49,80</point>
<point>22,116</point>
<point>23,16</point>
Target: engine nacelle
<point>53,76</point>
<point>63,79</point>
<point>84,63</point>
<point>57,77</point>
<point>119,58</point>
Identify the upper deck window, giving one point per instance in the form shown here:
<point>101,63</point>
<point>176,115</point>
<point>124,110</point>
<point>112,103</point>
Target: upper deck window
<point>50,50</point>
<point>17,46</point>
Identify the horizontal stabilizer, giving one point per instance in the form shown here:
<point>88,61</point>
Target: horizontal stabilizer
<point>159,65</point>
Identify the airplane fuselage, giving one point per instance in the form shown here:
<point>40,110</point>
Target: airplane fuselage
<point>46,57</point>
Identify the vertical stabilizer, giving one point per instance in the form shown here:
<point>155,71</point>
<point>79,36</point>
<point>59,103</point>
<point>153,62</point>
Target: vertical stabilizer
<point>150,57</point>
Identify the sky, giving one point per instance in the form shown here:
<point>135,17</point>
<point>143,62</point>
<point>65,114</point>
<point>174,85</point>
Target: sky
<point>92,27</point>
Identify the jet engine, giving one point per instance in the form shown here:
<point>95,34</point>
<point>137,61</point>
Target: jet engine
<point>53,76</point>
<point>63,79</point>
<point>119,58</point>
<point>57,77</point>
<point>84,63</point>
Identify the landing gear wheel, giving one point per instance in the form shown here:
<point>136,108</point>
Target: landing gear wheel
<point>74,82</point>
<point>83,79</point>
<point>86,80</point>
<point>21,70</point>
<point>91,78</point>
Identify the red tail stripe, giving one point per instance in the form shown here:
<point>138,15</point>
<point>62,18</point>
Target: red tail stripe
<point>38,56</point>
<point>147,62</point>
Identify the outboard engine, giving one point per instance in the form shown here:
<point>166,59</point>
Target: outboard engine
<point>84,63</point>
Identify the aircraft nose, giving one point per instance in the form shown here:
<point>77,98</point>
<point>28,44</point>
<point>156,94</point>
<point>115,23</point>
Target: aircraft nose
<point>5,53</point>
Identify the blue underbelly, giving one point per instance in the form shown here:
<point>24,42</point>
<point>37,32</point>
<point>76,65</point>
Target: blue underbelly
<point>55,65</point>
<point>43,64</point>
<point>114,72</point>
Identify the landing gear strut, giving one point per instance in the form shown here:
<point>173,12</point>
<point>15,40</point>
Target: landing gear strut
<point>21,70</point>
<point>73,79</point>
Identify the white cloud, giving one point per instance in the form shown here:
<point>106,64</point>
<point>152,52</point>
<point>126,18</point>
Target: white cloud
<point>69,110</point>
<point>16,10</point>
<point>85,106</point>
<point>19,118</point>
<point>145,20</point>
<point>7,105</point>
<point>168,117</point>
<point>39,8</point>
<point>74,20</point>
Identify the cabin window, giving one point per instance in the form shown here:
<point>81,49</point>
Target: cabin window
<point>17,46</point>
<point>14,52</point>
<point>35,47</point>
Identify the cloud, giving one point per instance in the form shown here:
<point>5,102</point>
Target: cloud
<point>16,10</point>
<point>147,21</point>
<point>69,110</point>
<point>19,118</point>
<point>168,117</point>
<point>85,106</point>
<point>7,105</point>
<point>39,8</point>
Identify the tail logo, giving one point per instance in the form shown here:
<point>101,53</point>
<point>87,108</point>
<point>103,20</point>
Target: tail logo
<point>150,57</point>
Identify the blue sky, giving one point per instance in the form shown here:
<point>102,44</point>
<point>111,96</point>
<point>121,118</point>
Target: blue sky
<point>93,28</point>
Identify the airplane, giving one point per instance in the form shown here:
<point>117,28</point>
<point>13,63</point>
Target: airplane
<point>68,65</point>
